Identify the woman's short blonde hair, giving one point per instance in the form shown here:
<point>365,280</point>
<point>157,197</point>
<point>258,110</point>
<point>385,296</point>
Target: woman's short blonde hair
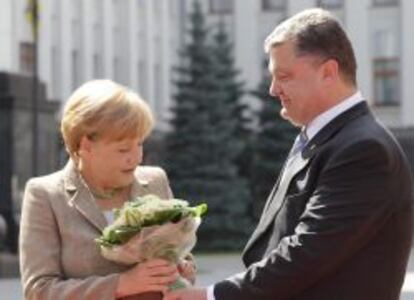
<point>104,109</point>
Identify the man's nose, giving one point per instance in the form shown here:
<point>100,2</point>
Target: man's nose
<point>274,89</point>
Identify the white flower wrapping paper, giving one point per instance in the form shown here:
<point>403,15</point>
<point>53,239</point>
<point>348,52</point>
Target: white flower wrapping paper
<point>170,241</point>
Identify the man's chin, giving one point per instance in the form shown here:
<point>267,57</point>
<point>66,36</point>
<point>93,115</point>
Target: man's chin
<point>285,115</point>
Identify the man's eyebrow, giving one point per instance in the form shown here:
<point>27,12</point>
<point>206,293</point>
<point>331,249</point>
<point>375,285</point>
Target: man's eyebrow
<point>274,69</point>
<point>270,67</point>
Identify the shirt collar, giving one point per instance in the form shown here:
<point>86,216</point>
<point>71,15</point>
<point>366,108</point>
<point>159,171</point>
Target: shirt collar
<point>324,118</point>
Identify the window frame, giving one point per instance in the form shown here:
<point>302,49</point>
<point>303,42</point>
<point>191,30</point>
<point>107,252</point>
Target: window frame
<point>320,3</point>
<point>385,3</point>
<point>393,73</point>
<point>213,9</point>
<point>267,6</point>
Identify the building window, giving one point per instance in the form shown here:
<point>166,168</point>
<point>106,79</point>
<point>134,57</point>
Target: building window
<point>26,57</point>
<point>97,66</point>
<point>98,8</point>
<point>158,91</point>
<point>142,80</point>
<point>56,85</point>
<point>76,70</point>
<point>330,4</point>
<point>118,70</point>
<point>273,4</point>
<point>221,6</point>
<point>386,2</point>
<point>386,81</point>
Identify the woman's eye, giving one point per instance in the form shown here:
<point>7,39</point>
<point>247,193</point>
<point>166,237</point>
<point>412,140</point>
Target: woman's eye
<point>123,150</point>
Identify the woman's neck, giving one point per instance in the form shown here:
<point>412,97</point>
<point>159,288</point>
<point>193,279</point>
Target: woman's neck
<point>101,190</point>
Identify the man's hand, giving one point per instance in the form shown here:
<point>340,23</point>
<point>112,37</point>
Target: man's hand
<point>186,294</point>
<point>187,269</point>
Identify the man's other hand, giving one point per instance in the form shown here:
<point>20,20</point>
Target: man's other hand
<point>187,294</point>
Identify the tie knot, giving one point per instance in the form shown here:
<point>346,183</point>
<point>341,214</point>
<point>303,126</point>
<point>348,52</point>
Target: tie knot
<point>303,138</point>
<point>300,143</point>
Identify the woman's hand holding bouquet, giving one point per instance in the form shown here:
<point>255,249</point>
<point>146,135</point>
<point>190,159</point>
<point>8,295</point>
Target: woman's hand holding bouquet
<point>152,232</point>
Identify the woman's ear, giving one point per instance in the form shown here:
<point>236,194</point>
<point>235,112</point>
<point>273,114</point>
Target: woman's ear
<point>85,146</point>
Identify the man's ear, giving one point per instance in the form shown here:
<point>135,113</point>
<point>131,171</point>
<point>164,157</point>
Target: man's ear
<point>330,71</point>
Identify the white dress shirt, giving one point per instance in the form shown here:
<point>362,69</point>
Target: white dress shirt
<point>311,130</point>
<point>324,118</point>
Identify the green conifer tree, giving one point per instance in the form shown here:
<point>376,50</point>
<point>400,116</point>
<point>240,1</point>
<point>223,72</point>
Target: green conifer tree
<point>202,146</point>
<point>232,90</point>
<point>272,144</point>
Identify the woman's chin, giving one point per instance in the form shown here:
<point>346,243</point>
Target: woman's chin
<point>127,180</point>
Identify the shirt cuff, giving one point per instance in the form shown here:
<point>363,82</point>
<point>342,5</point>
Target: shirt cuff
<point>210,293</point>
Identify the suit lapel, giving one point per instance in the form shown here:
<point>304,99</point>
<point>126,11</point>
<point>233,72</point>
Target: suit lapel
<point>277,197</point>
<point>298,164</point>
<point>81,199</point>
<point>278,194</point>
<point>274,189</point>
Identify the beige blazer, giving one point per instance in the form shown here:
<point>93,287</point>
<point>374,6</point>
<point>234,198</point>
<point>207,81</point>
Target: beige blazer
<point>59,259</point>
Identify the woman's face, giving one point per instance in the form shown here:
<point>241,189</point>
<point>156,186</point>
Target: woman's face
<point>111,163</point>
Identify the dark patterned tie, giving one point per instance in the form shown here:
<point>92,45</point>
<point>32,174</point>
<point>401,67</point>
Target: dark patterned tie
<point>299,144</point>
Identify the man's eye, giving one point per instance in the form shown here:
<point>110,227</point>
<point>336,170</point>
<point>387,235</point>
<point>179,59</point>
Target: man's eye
<point>123,150</point>
<point>282,78</point>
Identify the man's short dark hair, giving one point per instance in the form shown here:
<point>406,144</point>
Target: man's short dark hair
<point>317,32</point>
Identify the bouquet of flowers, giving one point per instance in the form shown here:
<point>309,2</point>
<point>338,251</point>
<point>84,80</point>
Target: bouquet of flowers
<point>149,227</point>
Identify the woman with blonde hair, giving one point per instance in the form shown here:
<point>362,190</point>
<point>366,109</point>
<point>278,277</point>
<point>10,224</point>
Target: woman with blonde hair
<point>103,127</point>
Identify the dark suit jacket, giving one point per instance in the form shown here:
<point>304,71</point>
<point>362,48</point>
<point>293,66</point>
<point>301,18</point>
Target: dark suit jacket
<point>338,225</point>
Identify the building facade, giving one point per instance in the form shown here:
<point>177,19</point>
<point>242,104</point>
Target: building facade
<point>135,42</point>
<point>380,31</point>
<point>130,41</point>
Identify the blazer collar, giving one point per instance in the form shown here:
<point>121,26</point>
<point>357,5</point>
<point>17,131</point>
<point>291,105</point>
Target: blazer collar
<point>333,127</point>
<point>81,198</point>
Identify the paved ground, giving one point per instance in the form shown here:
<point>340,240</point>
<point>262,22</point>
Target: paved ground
<point>211,268</point>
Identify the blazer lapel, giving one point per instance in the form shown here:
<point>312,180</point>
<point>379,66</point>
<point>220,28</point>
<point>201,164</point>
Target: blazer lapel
<point>81,199</point>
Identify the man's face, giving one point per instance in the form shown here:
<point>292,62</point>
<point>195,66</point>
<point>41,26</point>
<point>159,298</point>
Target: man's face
<point>297,82</point>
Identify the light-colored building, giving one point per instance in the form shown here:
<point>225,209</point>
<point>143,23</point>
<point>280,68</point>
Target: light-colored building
<point>380,30</point>
<point>135,42</point>
<point>130,41</point>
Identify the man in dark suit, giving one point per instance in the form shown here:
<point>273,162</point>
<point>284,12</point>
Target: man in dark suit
<point>338,223</point>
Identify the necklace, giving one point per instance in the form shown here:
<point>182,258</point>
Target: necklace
<point>108,194</point>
